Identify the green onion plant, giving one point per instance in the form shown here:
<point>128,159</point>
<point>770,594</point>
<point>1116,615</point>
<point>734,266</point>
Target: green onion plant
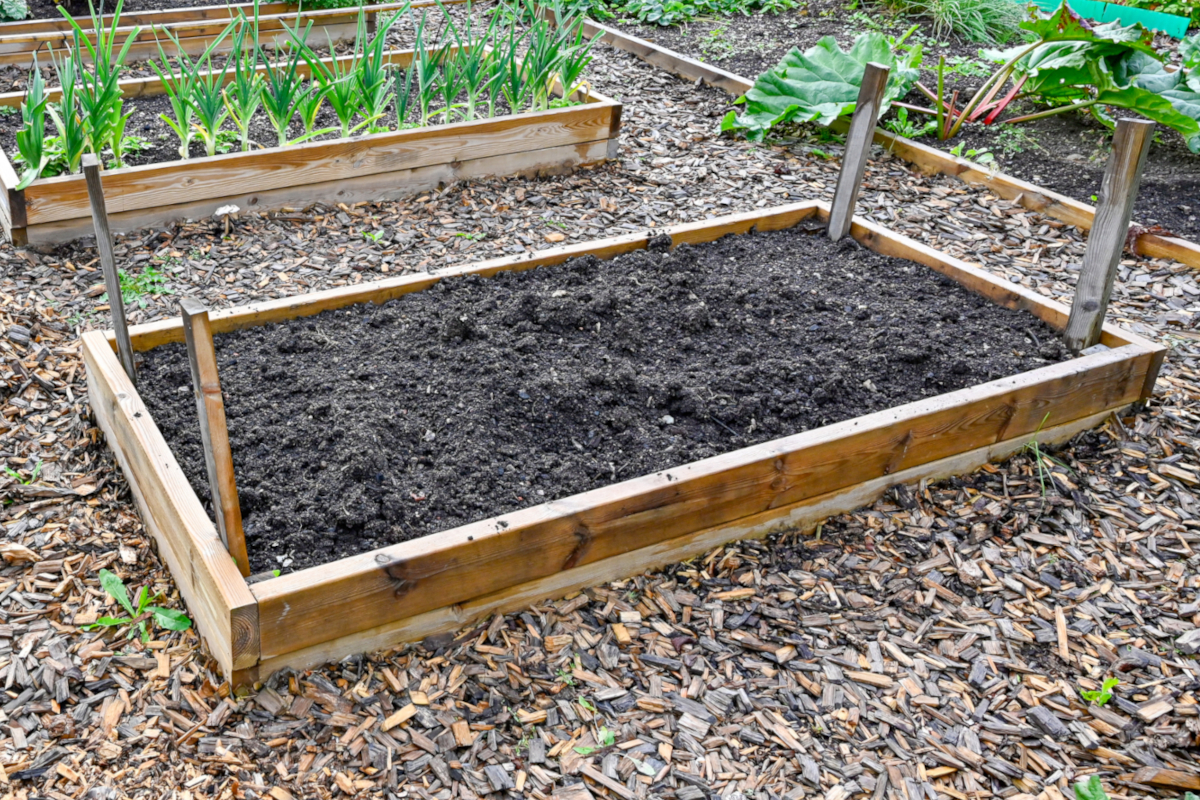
<point>31,139</point>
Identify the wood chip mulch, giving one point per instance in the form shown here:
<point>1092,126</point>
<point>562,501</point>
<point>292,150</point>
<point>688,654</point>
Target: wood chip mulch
<point>934,645</point>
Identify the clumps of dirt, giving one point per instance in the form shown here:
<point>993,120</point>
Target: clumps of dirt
<point>372,425</point>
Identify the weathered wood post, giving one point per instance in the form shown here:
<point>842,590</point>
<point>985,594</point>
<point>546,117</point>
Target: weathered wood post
<point>858,147</point>
<point>108,263</point>
<point>210,405</point>
<point>1106,241</point>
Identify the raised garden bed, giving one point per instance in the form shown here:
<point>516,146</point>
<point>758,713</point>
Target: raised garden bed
<point>1058,179</point>
<point>430,584</point>
<point>369,167</point>
<point>195,26</point>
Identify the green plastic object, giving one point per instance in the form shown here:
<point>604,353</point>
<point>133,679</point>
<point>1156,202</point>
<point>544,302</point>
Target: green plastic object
<point>1170,24</point>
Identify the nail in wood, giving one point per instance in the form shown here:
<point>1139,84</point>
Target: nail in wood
<point>108,263</point>
<point>210,405</point>
<point>1106,241</point>
<point>858,148</point>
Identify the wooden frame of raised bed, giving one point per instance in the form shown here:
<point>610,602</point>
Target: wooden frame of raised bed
<point>380,166</point>
<point>451,579</point>
<point>196,27</point>
<point>928,160</point>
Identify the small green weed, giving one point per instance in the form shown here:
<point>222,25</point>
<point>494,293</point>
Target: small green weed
<point>1091,789</point>
<point>137,288</point>
<point>716,46</point>
<point>1012,140</point>
<point>8,111</point>
<point>372,236</point>
<point>555,223</point>
<point>607,739</point>
<point>478,236</point>
<point>140,613</point>
<point>967,67</point>
<point>587,704</point>
<point>16,476</point>
<point>1102,695</point>
<point>819,153</point>
<point>564,675</point>
<point>902,126</point>
<point>983,156</point>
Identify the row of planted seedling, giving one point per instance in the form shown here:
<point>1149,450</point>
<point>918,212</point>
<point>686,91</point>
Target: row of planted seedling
<point>508,62</point>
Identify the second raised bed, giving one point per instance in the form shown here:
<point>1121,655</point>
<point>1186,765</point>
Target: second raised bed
<point>372,167</point>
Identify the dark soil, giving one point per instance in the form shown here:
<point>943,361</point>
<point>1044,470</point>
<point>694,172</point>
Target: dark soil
<point>1066,153</point>
<point>372,425</point>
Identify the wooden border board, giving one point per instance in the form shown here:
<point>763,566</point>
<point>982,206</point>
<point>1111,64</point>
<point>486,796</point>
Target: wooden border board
<point>374,166</point>
<point>928,160</point>
<point>438,583</point>
<point>195,27</point>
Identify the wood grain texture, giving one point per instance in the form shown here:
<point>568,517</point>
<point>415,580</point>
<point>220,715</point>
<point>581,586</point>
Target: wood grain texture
<point>108,264</point>
<point>214,435</point>
<point>374,188</point>
<point>156,185</point>
<point>857,150</point>
<point>218,599</point>
<point>803,517</point>
<point>1118,190</point>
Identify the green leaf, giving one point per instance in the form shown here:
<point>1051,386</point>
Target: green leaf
<point>107,622</point>
<point>13,9</point>
<point>1091,789</point>
<point>116,589</point>
<point>1064,25</point>
<point>821,84</point>
<point>607,737</point>
<point>170,619</point>
<point>585,751</point>
<point>1177,109</point>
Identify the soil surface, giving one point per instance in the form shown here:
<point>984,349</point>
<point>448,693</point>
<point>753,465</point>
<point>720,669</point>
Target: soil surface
<point>1066,154</point>
<point>371,425</point>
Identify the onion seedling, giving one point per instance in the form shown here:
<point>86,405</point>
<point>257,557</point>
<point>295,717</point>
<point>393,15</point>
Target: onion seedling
<point>243,95</point>
<point>208,104</point>
<point>67,121</point>
<point>450,80</point>
<point>310,106</point>
<point>403,80</point>
<point>425,65</point>
<point>31,139</point>
<point>576,58</point>
<point>474,58</point>
<point>180,83</point>
<point>284,92</point>
<point>99,98</point>
<point>371,71</point>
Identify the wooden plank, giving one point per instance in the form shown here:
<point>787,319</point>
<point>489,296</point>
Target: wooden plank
<point>218,599</point>
<point>154,334</point>
<point>858,149</point>
<point>210,408</point>
<point>108,264</point>
<point>675,63</point>
<point>372,188</point>
<point>803,516</point>
<point>1122,177</point>
<point>157,185</point>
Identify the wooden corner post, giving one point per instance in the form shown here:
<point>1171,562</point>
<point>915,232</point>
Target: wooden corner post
<point>858,147</point>
<point>210,405</point>
<point>108,263</point>
<point>1106,241</point>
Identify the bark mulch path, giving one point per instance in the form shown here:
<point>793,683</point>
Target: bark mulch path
<point>933,644</point>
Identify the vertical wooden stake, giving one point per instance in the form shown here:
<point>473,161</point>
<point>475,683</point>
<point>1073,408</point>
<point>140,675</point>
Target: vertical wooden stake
<point>214,436</point>
<point>858,147</point>
<point>1106,241</point>
<point>108,263</point>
